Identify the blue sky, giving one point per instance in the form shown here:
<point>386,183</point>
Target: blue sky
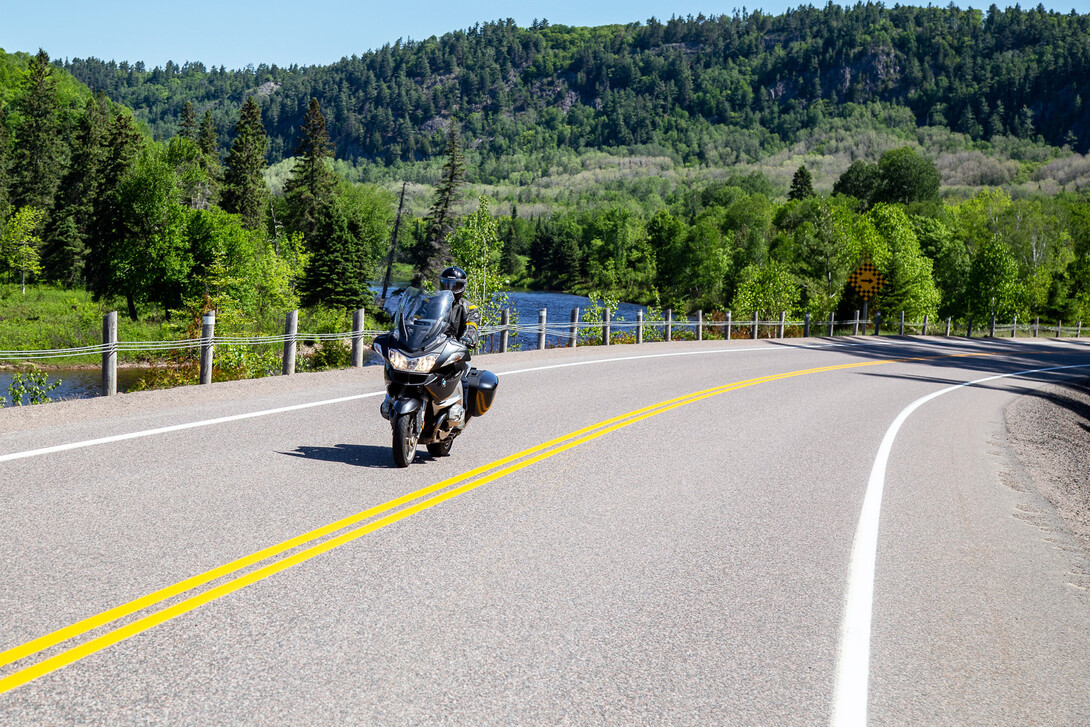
<point>235,34</point>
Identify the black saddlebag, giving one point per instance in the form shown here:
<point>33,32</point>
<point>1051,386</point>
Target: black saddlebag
<point>479,388</point>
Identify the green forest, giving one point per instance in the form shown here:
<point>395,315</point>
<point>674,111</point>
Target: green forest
<point>748,163</point>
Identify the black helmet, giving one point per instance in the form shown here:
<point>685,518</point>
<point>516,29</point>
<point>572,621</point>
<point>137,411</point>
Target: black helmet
<point>453,279</point>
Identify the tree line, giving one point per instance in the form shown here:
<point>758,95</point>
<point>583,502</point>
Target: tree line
<point>736,245</point>
<point>704,90</point>
<point>87,199</point>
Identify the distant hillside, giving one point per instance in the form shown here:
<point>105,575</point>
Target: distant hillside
<point>718,90</point>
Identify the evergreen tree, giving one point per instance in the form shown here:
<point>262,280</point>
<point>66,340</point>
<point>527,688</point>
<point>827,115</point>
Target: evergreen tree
<point>347,244</point>
<point>802,185</point>
<point>5,164</point>
<point>309,191</point>
<point>440,218</point>
<point>244,189</point>
<point>187,129</point>
<point>39,151</point>
<point>123,143</point>
<point>209,140</point>
<point>66,235</point>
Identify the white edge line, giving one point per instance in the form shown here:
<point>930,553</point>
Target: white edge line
<point>280,410</point>
<point>178,427</point>
<point>850,693</point>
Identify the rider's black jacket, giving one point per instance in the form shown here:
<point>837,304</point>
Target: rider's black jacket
<point>464,319</point>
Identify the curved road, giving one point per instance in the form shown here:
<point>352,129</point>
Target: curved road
<point>687,533</point>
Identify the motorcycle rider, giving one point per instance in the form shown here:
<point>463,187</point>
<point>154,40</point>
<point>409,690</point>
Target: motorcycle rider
<point>464,316</point>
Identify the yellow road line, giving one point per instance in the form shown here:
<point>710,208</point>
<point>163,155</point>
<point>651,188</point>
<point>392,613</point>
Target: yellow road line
<point>494,470</point>
<point>89,624</point>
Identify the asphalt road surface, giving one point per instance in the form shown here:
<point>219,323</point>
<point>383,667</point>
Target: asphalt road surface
<point>751,533</point>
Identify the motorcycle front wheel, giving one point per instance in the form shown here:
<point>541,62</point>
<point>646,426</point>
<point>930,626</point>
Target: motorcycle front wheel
<point>405,436</point>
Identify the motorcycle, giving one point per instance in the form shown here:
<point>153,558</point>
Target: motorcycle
<point>431,390</point>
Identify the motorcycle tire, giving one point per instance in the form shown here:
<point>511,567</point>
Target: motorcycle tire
<point>441,448</point>
<point>405,436</point>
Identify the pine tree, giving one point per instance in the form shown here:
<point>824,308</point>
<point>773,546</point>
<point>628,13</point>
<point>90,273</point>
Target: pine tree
<point>440,218</point>
<point>188,126</point>
<point>5,165</point>
<point>244,189</point>
<point>39,152</point>
<point>209,140</point>
<point>66,235</point>
<point>309,191</point>
<point>802,185</point>
<point>123,143</point>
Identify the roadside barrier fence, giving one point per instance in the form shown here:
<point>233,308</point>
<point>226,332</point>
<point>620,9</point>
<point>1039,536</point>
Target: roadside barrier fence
<point>549,334</point>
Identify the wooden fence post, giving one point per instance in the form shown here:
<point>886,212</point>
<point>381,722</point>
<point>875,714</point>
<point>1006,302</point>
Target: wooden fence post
<point>109,354</point>
<point>505,333</point>
<point>991,328</point>
<point>291,328</point>
<point>1059,329</point>
<point>783,320</point>
<point>756,320</point>
<point>924,333</point>
<point>359,319</point>
<point>208,332</point>
<point>1036,326</point>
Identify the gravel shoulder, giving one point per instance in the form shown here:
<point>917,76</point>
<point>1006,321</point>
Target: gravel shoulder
<point>1049,431</point>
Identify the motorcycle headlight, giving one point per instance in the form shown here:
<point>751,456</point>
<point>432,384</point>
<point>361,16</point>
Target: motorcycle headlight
<point>419,365</point>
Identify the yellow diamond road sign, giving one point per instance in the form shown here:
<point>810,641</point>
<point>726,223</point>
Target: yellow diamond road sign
<point>867,280</point>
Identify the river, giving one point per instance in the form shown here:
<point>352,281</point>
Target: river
<point>87,382</point>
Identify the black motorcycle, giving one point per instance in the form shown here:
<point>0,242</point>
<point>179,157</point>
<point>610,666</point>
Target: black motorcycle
<point>431,391</point>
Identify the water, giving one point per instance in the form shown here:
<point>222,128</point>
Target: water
<point>86,383</point>
<point>558,305</point>
<point>77,383</point>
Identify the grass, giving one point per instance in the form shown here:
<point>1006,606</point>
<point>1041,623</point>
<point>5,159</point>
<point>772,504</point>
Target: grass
<point>51,317</point>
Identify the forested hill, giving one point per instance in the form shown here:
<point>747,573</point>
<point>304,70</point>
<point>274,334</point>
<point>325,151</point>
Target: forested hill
<point>704,89</point>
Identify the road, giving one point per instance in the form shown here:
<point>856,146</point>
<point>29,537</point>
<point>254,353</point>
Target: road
<point>785,540</point>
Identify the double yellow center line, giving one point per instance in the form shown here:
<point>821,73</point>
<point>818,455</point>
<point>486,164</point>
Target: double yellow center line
<point>390,512</point>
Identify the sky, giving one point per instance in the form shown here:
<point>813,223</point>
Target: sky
<point>235,34</point>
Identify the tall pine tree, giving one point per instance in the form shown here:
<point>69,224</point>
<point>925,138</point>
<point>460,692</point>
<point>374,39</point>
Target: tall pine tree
<point>308,193</point>
<point>244,189</point>
<point>802,185</point>
<point>39,151</point>
<point>124,143</point>
<point>66,235</point>
<point>209,140</point>
<point>440,219</point>
<point>188,127</point>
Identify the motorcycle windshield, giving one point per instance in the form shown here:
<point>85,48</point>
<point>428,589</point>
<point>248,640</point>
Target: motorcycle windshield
<point>422,317</point>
